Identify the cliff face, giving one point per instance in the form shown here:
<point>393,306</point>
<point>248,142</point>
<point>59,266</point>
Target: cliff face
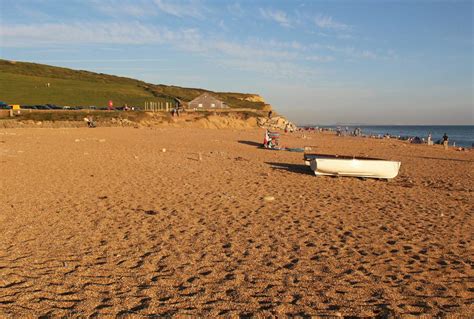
<point>213,120</point>
<point>255,98</point>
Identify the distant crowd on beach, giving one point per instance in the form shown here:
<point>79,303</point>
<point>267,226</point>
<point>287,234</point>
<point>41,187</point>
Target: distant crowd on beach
<point>345,131</point>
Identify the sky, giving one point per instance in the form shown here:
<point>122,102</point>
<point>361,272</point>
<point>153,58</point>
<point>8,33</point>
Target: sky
<point>316,62</point>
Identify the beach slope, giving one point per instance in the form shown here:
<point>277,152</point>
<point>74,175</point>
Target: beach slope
<point>173,221</point>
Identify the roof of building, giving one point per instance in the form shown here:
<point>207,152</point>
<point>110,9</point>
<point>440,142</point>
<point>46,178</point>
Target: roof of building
<point>205,95</point>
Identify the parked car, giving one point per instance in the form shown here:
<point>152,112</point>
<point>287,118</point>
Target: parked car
<point>5,106</point>
<point>53,107</point>
<point>42,107</point>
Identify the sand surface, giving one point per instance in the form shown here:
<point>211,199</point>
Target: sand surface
<point>102,222</point>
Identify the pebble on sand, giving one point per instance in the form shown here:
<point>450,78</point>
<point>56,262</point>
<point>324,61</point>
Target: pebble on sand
<point>163,150</point>
<point>268,198</point>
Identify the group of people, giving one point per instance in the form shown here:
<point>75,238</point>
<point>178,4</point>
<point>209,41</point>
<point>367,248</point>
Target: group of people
<point>445,140</point>
<point>415,140</point>
<point>344,132</point>
<point>357,132</point>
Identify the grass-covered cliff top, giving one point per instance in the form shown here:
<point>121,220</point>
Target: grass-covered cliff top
<point>25,83</point>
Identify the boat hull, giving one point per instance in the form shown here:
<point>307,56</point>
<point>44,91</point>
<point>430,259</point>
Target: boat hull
<point>367,168</point>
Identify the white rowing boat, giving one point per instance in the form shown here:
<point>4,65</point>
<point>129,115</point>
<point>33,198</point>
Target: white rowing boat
<point>335,165</point>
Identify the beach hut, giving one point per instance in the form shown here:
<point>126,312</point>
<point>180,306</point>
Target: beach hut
<point>206,101</point>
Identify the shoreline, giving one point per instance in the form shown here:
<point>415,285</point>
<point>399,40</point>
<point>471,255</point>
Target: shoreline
<point>418,133</point>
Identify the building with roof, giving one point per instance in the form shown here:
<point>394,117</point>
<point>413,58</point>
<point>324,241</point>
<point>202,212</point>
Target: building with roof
<point>206,101</point>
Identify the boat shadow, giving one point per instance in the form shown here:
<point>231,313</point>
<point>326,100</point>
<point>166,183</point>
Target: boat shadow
<point>293,168</point>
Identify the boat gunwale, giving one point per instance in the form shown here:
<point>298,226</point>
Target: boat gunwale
<point>311,156</point>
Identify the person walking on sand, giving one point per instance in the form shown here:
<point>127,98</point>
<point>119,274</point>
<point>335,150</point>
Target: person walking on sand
<point>445,141</point>
<point>429,141</point>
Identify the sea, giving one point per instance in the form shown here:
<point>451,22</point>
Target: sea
<point>459,135</point>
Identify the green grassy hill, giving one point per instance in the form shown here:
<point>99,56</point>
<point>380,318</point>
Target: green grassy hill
<point>26,84</point>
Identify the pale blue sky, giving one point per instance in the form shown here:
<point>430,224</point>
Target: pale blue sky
<point>374,62</point>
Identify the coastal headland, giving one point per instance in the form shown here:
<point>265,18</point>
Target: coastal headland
<point>171,221</point>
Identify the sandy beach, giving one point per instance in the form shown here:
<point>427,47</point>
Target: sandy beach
<point>145,222</point>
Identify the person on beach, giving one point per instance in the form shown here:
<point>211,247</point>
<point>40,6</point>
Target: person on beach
<point>89,121</point>
<point>445,141</point>
<point>429,140</point>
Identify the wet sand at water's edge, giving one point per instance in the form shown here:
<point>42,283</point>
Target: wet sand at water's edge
<point>102,222</point>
